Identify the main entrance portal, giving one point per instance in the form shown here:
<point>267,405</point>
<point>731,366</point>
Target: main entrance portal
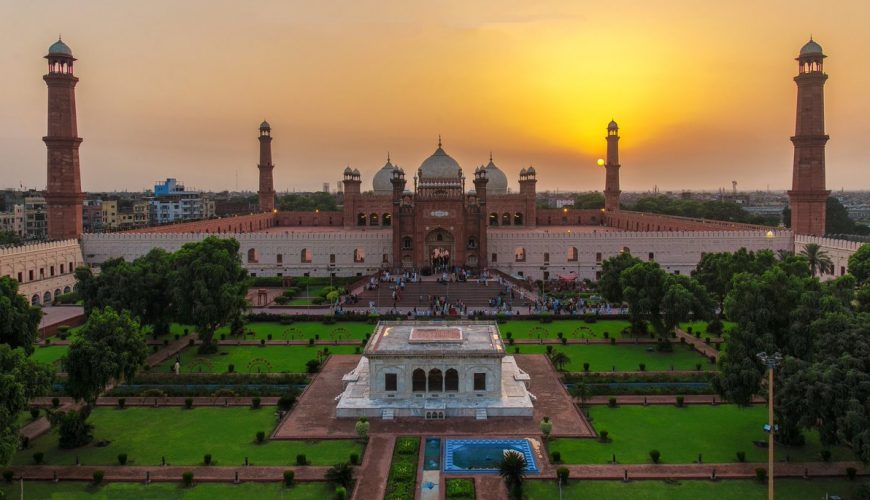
<point>440,249</point>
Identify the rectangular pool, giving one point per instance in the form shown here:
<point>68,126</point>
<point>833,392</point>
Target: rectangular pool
<point>484,455</point>
<point>432,454</point>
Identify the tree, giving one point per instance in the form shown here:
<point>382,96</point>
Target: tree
<point>859,264</point>
<point>609,284</point>
<point>20,380</point>
<point>589,200</point>
<point>837,220</point>
<point>9,238</point>
<point>307,202</point>
<point>715,270</point>
<point>559,359</point>
<point>512,469</point>
<point>209,286</point>
<point>817,259</point>
<point>643,288</point>
<point>340,474</point>
<point>19,321</point>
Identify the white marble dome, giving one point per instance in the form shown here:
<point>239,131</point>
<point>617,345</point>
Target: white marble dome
<point>811,48</point>
<point>440,165</point>
<point>381,181</point>
<point>497,182</point>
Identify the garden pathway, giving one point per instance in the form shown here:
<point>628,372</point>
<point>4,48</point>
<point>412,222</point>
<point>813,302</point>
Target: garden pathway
<point>169,473</point>
<point>698,344</point>
<point>372,474</point>
<point>489,487</point>
<point>694,399</point>
<point>704,471</point>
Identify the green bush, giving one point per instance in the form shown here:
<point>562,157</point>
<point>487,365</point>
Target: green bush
<point>407,446</point>
<point>301,459</point>
<point>354,459</point>
<point>460,489</point>
<point>642,367</point>
<point>655,456</point>
<point>122,403</point>
<point>611,402</point>
<point>826,455</point>
<point>187,478</point>
<point>38,457</point>
<point>340,493</point>
<point>761,474</point>
<point>680,401</point>
<point>98,476</point>
<point>8,476</point>
<point>289,476</point>
<point>73,429</point>
<point>255,403</point>
<point>286,402</point>
<point>206,459</point>
<point>555,457</point>
<point>851,473</point>
<point>741,456</point>
<point>562,475</point>
<point>55,403</point>
<point>188,403</point>
<point>585,367</point>
<point>34,413</point>
<point>231,368</point>
<point>401,480</point>
<point>122,459</point>
<point>603,436</point>
<point>261,436</point>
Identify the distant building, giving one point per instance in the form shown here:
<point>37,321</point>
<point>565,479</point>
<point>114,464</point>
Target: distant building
<point>92,216</point>
<point>172,203</point>
<point>12,221</point>
<point>35,218</point>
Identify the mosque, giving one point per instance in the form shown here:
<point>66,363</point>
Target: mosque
<point>440,216</point>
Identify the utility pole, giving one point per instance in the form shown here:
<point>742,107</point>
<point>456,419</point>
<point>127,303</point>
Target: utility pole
<point>771,362</point>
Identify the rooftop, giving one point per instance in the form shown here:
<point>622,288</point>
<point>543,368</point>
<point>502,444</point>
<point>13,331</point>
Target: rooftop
<point>438,338</point>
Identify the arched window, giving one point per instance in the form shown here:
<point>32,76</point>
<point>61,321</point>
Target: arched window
<point>305,256</point>
<point>361,219</point>
<point>359,255</point>
<point>418,381</point>
<point>252,256</point>
<point>386,219</point>
<point>56,292</point>
<point>518,219</point>
<point>520,254</point>
<point>66,289</point>
<point>493,219</point>
<point>406,243</point>
<point>373,220</point>
<point>472,242</point>
<point>506,219</point>
<point>436,380</point>
<point>34,300</point>
<point>451,380</point>
<point>572,254</point>
<point>46,298</point>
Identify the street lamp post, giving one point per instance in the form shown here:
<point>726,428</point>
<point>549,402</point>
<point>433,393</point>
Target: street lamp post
<point>771,362</point>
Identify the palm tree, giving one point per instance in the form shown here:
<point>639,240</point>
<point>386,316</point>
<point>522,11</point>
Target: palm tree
<point>783,254</point>
<point>513,469</point>
<point>559,359</point>
<point>340,474</point>
<point>817,259</point>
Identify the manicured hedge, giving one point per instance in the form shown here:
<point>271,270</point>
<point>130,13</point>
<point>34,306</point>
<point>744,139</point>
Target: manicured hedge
<point>402,480</point>
<point>460,489</point>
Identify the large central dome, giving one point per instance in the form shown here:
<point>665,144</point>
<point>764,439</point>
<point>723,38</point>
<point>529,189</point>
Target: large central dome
<point>440,165</point>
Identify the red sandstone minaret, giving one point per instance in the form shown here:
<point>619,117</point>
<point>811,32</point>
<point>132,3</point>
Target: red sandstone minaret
<point>267,189</point>
<point>63,193</point>
<point>808,195</point>
<point>611,168</point>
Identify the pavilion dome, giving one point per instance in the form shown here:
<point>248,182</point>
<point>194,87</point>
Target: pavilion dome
<point>440,165</point>
<point>497,180</point>
<point>612,125</point>
<point>811,48</point>
<point>381,181</point>
<point>265,126</point>
<point>60,48</point>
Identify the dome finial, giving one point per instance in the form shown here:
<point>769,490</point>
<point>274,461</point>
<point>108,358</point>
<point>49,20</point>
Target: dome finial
<point>388,157</point>
<point>490,156</point>
<point>439,140</point>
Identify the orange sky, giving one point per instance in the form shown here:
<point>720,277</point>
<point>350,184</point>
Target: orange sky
<point>702,91</point>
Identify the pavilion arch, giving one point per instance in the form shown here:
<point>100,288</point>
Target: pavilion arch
<point>518,219</point>
<point>46,298</point>
<point>519,254</point>
<point>386,220</point>
<point>361,219</point>
<point>67,289</point>
<point>418,380</point>
<point>571,254</point>
<point>305,256</point>
<point>57,293</point>
<point>451,380</point>
<point>505,219</point>
<point>436,380</point>
<point>34,301</point>
<point>253,258</point>
<point>493,219</point>
<point>373,220</point>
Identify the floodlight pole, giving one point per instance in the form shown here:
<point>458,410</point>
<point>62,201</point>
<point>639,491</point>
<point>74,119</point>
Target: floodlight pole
<point>771,362</point>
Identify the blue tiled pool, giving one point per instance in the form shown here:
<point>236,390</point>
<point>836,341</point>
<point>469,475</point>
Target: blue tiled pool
<point>432,454</point>
<point>484,455</point>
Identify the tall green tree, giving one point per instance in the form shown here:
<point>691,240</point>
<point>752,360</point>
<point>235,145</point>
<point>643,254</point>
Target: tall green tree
<point>20,380</point>
<point>818,260</point>
<point>9,238</point>
<point>209,286</point>
<point>715,270</point>
<point>859,264</point>
<point>19,321</point>
<point>837,220</point>
<point>512,469</point>
<point>643,288</point>
<point>609,284</point>
<point>589,200</point>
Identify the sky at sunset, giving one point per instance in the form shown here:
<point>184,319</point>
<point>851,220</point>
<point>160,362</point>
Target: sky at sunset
<point>702,90</point>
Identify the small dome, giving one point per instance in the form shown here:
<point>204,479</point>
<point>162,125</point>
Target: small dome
<point>381,181</point>
<point>356,171</point>
<point>523,172</point>
<point>612,125</point>
<point>347,170</point>
<point>531,171</point>
<point>498,182</point>
<point>265,126</point>
<point>811,48</point>
<point>440,165</point>
<point>59,48</point>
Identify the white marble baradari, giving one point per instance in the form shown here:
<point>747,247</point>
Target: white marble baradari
<point>435,370</point>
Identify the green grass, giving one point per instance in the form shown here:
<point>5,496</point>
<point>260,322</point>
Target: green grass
<point>184,436</point>
<point>787,489</point>
<point>571,329</point>
<point>74,490</point>
<point>701,326</point>
<point>717,432</point>
<point>625,357</point>
<point>462,489</point>
<point>402,478</point>
<point>303,330</point>
<point>49,355</point>
<point>248,359</point>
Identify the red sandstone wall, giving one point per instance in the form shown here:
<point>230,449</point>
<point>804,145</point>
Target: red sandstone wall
<point>290,219</point>
<point>568,217</point>
<point>235,224</point>
<point>640,221</point>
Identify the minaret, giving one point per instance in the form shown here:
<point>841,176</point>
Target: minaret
<point>397,179</point>
<point>63,193</point>
<point>480,181</point>
<point>528,180</point>
<point>352,182</point>
<point>611,168</point>
<point>808,196</point>
<point>267,189</point>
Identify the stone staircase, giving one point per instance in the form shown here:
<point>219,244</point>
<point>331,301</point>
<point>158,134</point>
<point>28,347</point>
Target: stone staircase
<point>387,414</point>
<point>480,414</point>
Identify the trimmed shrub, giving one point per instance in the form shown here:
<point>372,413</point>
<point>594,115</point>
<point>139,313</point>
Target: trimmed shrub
<point>301,459</point>
<point>354,459</point>
<point>555,457</point>
<point>655,456</point>
<point>190,342</point>
<point>269,336</point>
<point>25,442</point>
<point>38,457</point>
<point>680,401</point>
<point>262,342</point>
<point>98,476</point>
<point>261,436</point>
<point>34,413</point>
<point>187,479</point>
<point>826,455</point>
<point>851,473</point>
<point>741,456</point>
<point>516,350</point>
<point>761,474</point>
<point>255,403</point>
<point>564,341</point>
<point>603,436</point>
<point>188,403</point>
<point>206,459</point>
<point>310,341</point>
<point>611,403</point>
<point>612,341</point>
<point>122,403</point>
<point>585,367</point>
<point>122,459</point>
<point>642,367</point>
<point>286,402</point>
<point>697,366</point>
<point>340,493</point>
<point>289,476</point>
<point>55,403</point>
<point>231,368</point>
<point>562,475</point>
<point>8,476</point>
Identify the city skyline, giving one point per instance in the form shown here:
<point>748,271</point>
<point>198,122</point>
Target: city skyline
<point>377,84</point>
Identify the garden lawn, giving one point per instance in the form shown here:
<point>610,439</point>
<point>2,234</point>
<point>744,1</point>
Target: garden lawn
<point>625,357</point>
<point>570,328</point>
<point>49,355</point>
<point>74,490</point>
<point>252,359</point>
<point>302,330</point>
<point>184,436</point>
<point>680,434</point>
<point>701,326</point>
<point>786,489</point>
<point>402,478</point>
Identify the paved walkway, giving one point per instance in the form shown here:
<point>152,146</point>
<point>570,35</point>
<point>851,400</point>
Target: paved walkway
<point>112,401</point>
<point>375,468</point>
<point>692,399</point>
<point>698,344</point>
<point>169,473</point>
<point>167,352</point>
<point>490,487</point>
<point>705,471</point>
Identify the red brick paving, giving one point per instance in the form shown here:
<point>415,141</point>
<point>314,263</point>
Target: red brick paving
<point>698,344</point>
<point>663,399</point>
<point>489,487</point>
<point>169,473</point>
<point>372,474</point>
